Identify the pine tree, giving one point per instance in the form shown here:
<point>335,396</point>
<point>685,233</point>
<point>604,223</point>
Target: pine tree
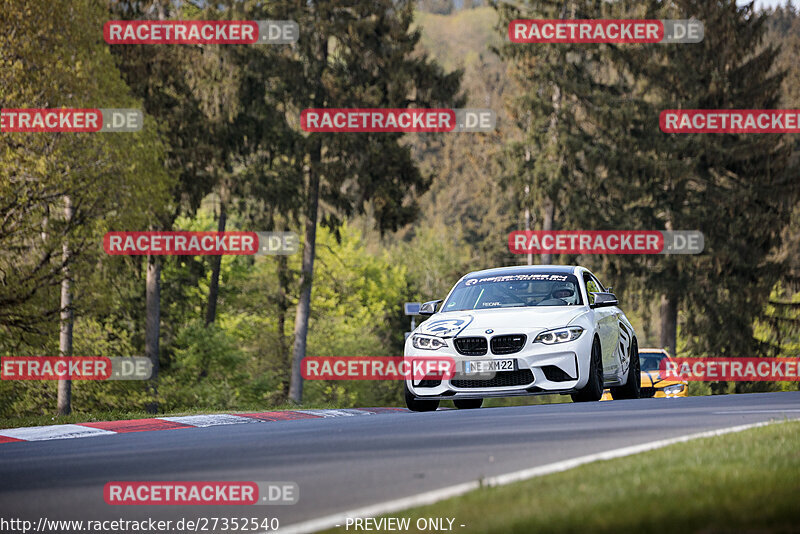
<point>738,189</point>
<point>555,82</point>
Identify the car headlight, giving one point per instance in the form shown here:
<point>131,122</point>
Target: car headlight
<point>427,342</point>
<point>673,389</point>
<point>559,335</point>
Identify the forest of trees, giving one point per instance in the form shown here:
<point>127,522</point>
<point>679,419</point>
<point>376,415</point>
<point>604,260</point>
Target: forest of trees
<point>383,218</point>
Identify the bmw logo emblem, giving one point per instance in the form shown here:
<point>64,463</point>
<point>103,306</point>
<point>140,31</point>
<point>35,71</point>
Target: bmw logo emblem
<point>490,331</point>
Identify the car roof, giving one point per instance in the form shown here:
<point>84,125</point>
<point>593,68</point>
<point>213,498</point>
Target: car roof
<point>526,269</point>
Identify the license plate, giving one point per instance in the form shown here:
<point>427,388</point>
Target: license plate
<point>489,366</point>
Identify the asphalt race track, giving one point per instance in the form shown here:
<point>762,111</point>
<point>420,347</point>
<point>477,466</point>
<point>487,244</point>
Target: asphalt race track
<point>348,462</point>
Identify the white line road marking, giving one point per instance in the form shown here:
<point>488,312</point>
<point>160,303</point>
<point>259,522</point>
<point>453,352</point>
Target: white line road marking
<point>431,497</point>
<point>756,411</point>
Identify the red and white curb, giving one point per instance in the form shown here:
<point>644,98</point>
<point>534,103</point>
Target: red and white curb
<point>105,428</point>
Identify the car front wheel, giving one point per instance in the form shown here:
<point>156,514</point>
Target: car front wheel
<point>418,405</point>
<point>468,404</point>
<point>633,386</point>
<point>593,390</point>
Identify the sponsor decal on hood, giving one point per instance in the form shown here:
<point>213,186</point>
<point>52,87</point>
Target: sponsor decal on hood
<point>445,327</point>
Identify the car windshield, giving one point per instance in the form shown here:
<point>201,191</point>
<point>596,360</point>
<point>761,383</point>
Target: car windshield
<point>650,361</point>
<point>514,290</point>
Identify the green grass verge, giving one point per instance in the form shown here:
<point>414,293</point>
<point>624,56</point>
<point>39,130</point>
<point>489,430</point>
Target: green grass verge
<point>743,482</point>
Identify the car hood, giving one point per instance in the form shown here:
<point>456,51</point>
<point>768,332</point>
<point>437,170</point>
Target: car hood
<point>450,324</point>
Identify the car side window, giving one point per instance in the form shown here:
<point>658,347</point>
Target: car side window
<point>600,286</point>
<point>592,286</point>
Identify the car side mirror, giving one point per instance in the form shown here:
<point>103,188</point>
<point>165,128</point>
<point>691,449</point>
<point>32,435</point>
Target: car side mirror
<point>429,308</point>
<point>604,300</point>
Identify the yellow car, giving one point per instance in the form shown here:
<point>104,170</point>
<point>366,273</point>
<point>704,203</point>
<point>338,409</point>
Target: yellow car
<point>652,383</point>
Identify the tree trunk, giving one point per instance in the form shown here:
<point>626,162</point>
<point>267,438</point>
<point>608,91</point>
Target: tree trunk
<point>528,210</point>
<point>309,247</point>
<point>669,323</point>
<point>548,207</point>
<point>153,325</point>
<point>283,307</point>
<point>216,264</point>
<point>65,334</point>
<point>547,225</point>
<point>306,275</point>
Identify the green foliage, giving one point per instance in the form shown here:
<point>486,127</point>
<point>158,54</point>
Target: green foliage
<point>112,179</point>
<point>91,338</point>
<point>205,371</point>
<point>576,125</point>
<point>436,258</point>
<point>778,331</point>
<point>356,311</point>
<point>355,293</point>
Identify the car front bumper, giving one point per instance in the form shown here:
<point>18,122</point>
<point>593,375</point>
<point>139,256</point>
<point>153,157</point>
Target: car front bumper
<point>540,370</point>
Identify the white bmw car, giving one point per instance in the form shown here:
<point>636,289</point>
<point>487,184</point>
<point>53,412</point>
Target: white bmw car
<point>529,330</point>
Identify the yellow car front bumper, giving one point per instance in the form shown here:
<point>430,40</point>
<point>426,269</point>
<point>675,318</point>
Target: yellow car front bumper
<point>653,386</point>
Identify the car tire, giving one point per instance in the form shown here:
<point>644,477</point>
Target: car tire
<point>593,390</point>
<point>468,404</point>
<point>632,388</point>
<point>417,405</point>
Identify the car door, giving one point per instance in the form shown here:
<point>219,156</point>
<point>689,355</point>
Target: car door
<point>607,321</point>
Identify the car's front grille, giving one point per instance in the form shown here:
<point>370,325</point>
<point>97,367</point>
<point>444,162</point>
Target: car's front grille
<point>502,379</point>
<point>471,346</point>
<point>508,344</point>
<point>646,393</point>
